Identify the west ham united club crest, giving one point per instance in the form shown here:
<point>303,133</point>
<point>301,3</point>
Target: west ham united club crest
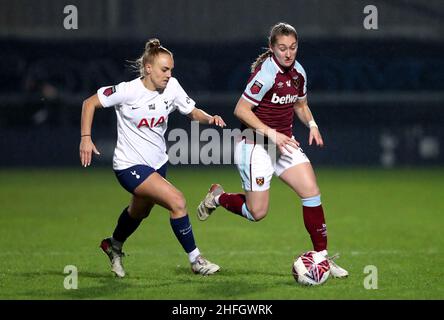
<point>296,81</point>
<point>256,87</point>
<point>260,181</point>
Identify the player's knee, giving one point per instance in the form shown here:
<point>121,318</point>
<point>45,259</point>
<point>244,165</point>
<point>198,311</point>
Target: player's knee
<point>178,203</point>
<point>260,216</point>
<point>311,190</point>
<point>258,212</point>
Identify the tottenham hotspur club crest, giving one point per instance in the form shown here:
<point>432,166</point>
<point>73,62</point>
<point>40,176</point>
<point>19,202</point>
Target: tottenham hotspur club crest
<point>134,173</point>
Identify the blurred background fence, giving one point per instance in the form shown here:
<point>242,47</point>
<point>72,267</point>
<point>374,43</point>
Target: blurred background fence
<point>377,95</point>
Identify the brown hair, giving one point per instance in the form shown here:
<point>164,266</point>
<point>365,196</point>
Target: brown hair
<point>277,30</point>
<point>152,50</point>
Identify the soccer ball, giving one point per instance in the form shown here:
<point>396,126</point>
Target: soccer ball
<point>311,268</point>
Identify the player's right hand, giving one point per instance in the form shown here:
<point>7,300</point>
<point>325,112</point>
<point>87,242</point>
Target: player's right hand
<point>87,147</point>
<point>283,142</point>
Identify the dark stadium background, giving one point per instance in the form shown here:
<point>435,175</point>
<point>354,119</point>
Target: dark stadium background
<point>376,94</point>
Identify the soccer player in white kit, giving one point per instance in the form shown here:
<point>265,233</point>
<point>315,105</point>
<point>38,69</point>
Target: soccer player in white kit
<point>275,92</point>
<point>140,159</point>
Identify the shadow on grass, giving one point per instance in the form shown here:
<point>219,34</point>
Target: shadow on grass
<point>93,285</point>
<point>234,283</point>
<point>105,285</point>
<point>227,271</point>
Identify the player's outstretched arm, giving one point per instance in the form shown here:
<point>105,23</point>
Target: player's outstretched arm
<point>203,117</point>
<point>306,117</point>
<point>87,147</point>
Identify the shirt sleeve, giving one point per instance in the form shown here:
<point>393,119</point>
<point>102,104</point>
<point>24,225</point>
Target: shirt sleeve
<point>181,100</point>
<point>302,88</point>
<point>112,95</point>
<point>258,86</point>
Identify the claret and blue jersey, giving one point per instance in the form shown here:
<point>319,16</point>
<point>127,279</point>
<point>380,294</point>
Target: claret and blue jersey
<point>273,91</point>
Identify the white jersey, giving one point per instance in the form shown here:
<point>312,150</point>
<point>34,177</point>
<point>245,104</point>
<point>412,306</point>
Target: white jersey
<point>142,118</point>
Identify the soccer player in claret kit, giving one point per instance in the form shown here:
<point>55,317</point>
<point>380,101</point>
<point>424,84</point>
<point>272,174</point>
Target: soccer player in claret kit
<point>276,90</point>
<point>140,159</point>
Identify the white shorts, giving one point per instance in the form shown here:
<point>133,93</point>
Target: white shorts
<point>257,165</point>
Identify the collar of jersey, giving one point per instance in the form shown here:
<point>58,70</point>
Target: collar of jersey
<point>281,68</point>
<point>148,90</point>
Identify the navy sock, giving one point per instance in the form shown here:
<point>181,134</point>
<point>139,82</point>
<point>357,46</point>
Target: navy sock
<point>184,233</point>
<point>126,225</point>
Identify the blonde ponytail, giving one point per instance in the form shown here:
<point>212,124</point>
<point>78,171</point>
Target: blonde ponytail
<point>261,58</point>
<point>152,49</point>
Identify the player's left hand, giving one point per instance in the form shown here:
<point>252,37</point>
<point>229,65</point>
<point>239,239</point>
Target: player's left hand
<point>316,136</point>
<point>217,121</point>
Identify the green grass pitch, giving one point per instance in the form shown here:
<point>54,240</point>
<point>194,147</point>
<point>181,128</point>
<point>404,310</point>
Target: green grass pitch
<point>390,219</point>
